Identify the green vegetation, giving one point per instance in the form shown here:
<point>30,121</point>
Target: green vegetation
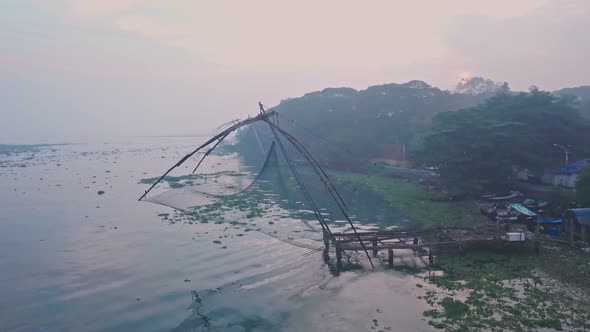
<point>413,200</point>
<point>486,290</point>
<point>580,97</point>
<point>181,181</point>
<point>344,127</point>
<point>8,149</point>
<point>474,140</point>
<point>251,205</point>
<point>475,149</point>
<point>583,187</point>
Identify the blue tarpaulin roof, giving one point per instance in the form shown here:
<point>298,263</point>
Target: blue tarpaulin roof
<point>572,168</point>
<point>556,221</point>
<point>581,215</point>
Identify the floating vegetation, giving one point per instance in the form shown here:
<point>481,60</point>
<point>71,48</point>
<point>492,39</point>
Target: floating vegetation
<point>7,149</point>
<point>190,177</point>
<point>485,290</point>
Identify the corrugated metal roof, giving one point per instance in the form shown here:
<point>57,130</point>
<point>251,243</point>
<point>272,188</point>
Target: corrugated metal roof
<point>582,215</point>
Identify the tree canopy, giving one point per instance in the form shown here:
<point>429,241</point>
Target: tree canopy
<point>478,148</point>
<point>583,187</point>
<point>343,126</point>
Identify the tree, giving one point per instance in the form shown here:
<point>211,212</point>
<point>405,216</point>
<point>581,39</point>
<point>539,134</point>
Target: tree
<point>477,149</point>
<point>345,128</point>
<point>583,187</point>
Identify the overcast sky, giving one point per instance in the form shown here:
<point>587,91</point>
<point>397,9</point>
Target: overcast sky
<point>88,68</point>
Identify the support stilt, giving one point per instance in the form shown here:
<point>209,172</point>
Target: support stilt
<point>375,251</point>
<point>326,238</point>
<point>338,254</point>
<point>390,257</point>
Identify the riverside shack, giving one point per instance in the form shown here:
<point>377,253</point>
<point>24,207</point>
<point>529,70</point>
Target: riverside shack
<point>577,223</point>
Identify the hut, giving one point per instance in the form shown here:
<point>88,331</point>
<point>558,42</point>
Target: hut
<point>578,221</point>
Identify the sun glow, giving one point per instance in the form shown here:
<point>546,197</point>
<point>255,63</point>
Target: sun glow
<point>464,77</point>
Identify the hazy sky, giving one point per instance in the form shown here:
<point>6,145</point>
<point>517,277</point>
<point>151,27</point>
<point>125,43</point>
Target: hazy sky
<point>72,68</point>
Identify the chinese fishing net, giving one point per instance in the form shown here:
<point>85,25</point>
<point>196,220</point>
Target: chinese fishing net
<point>255,181</point>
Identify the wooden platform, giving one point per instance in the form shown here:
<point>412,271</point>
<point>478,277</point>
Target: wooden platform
<point>427,239</point>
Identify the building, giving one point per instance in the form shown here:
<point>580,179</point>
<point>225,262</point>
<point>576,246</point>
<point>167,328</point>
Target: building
<point>565,176</point>
<point>577,223</point>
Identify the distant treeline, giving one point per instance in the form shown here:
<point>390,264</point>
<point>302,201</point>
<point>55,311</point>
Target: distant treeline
<point>473,138</point>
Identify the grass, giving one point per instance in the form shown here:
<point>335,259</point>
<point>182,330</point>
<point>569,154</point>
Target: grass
<point>413,200</point>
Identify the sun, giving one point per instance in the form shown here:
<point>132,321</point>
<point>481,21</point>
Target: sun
<point>464,76</point>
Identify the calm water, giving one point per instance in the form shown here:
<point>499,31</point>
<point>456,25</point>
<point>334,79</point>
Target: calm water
<point>74,260</point>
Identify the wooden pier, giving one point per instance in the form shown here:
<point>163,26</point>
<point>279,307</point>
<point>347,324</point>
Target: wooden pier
<point>419,240</point>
